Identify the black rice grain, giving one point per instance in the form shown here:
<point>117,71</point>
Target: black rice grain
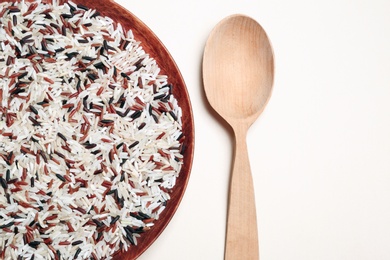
<point>179,137</point>
<point>14,10</point>
<point>96,152</point>
<point>71,55</point>
<point>160,96</point>
<point>133,144</point>
<point>77,253</point>
<point>77,242</point>
<point>33,109</point>
<point>136,114</point>
<point>98,223</point>
<point>59,176</point>
<point>17,91</point>
<point>106,121</point>
<point>137,216</point>
<point>10,224</point>
<point>129,234</point>
<point>95,14</point>
<point>112,192</point>
<point>82,7</point>
<point>59,154</point>
<point>8,197</point>
<point>105,45</point>
<point>34,244</point>
<point>125,75</point>
<point>115,73</point>
<point>90,146</point>
<point>114,220</point>
<point>43,155</point>
<point>67,16</point>
<point>7,175</point>
<point>3,183</point>
<point>34,121</point>
<point>173,115</point>
<point>99,237</point>
<point>22,75</point>
<point>82,40</point>
<point>143,215</point>
<point>62,136</point>
<point>92,77</point>
<point>99,65</point>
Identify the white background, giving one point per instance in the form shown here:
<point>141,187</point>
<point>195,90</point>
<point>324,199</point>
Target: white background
<point>320,152</point>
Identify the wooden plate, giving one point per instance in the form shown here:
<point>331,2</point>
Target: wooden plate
<point>153,46</point>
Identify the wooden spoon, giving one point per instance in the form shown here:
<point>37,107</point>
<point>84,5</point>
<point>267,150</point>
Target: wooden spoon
<point>238,72</point>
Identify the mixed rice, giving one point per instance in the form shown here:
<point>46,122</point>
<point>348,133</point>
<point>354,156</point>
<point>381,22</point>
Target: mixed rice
<point>90,134</point>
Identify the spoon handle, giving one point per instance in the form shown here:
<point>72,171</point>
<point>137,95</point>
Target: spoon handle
<point>241,235</point>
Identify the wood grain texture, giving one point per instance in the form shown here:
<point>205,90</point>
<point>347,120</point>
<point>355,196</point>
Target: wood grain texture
<point>155,48</point>
<point>238,71</point>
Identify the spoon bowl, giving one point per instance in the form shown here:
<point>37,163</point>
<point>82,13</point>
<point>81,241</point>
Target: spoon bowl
<point>238,68</point>
<point>238,73</point>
